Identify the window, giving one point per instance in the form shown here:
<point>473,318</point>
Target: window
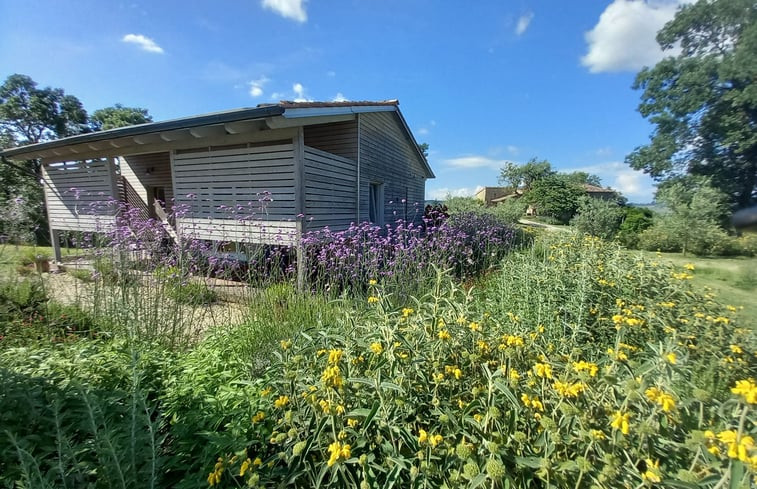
<point>376,204</point>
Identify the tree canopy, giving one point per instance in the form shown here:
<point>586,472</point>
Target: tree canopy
<point>29,114</point>
<point>523,176</point>
<point>703,101</point>
<point>118,116</point>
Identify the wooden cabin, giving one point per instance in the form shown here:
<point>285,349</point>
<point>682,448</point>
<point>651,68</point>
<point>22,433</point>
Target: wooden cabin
<point>258,175</point>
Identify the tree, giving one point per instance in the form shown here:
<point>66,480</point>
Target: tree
<point>554,197</point>
<point>703,101</point>
<point>635,221</point>
<point>581,178</point>
<point>424,149</point>
<point>694,210</point>
<point>523,176</point>
<point>29,114</point>
<point>119,116</point>
<point>597,217</point>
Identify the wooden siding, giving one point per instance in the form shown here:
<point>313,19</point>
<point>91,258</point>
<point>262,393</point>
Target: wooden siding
<point>144,172</point>
<point>243,192</point>
<point>388,156</point>
<point>282,232</point>
<point>330,190</point>
<point>337,138</point>
<point>77,195</point>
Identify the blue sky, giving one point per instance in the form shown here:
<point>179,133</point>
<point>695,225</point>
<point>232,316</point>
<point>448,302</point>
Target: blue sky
<point>482,82</point>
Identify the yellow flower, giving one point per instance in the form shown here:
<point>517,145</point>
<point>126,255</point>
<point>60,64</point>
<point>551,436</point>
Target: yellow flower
<point>514,375</point>
<point>245,466</point>
<point>285,344</point>
<point>257,462</point>
<point>543,370</point>
<point>352,422</point>
<point>666,304</point>
<point>569,390</point>
<point>260,416</point>
<point>438,377</point>
<point>582,366</point>
<point>435,440</point>
<point>406,312</point>
<point>747,389</point>
<point>338,452</point>
<point>652,474</point>
<point>377,348</point>
<point>474,326</point>
<point>621,421</point>
<point>281,401</point>
<point>422,436</point>
<point>689,266</point>
<point>266,391</point>
<point>661,397</point>
<point>443,335</point>
<point>597,434</point>
<point>373,299</point>
<point>671,358</point>
<point>332,377</point>
<point>372,282</point>
<point>334,356</point>
<point>736,349</point>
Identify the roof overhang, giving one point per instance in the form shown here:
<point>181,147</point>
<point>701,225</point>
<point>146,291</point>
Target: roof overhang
<point>196,130</point>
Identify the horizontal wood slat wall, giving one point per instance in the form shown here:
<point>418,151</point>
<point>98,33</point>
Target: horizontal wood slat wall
<point>77,195</point>
<point>330,189</point>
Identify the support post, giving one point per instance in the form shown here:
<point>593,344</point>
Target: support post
<point>301,258</point>
<point>55,241</point>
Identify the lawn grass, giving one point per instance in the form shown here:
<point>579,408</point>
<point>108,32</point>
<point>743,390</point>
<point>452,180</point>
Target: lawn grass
<point>732,279</point>
<point>12,255</point>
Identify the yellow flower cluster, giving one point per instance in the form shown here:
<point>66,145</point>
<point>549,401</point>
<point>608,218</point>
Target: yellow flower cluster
<point>682,276</point>
<point>453,370</point>
<point>532,402</point>
<point>432,440</point>
<point>659,396</point>
<point>543,370</point>
<point>474,326</point>
<point>377,348</point>
<point>738,447</point>
<point>373,299</point>
<point>332,377</point>
<point>510,341</point>
<point>746,389</point>
<point>338,452</point>
<point>215,476</point>
<point>443,335</point>
<point>621,421</point>
<point>286,344</point>
<point>260,416</point>
<point>652,473</point>
<point>584,366</point>
<point>281,401</point>
<point>566,389</point>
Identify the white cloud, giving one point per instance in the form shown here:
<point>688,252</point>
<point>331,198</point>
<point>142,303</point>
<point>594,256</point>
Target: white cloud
<point>299,93</point>
<point>289,9</point>
<point>633,184</point>
<point>476,161</point>
<point>624,37</point>
<point>256,86</point>
<point>444,192</point>
<point>603,152</point>
<point>339,97</point>
<point>513,150</point>
<point>144,43</point>
<point>523,22</point>
<point>423,131</point>
<point>276,96</point>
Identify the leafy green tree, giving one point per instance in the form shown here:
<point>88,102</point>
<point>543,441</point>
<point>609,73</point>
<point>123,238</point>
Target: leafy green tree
<point>119,116</point>
<point>634,221</point>
<point>703,101</point>
<point>554,197</point>
<point>694,211</point>
<point>29,114</point>
<point>460,205</point>
<point>424,149</point>
<point>581,178</point>
<point>597,217</point>
<point>524,176</point>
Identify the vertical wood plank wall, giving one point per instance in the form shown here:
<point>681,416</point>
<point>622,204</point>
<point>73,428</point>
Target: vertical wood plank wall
<point>330,187</point>
<point>77,195</point>
<point>387,156</point>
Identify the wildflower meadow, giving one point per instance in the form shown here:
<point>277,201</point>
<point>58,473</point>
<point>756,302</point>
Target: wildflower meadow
<point>464,352</point>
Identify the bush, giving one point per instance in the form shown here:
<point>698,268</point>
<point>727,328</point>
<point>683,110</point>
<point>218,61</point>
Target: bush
<point>597,217</point>
<point>609,382</point>
<point>635,221</point>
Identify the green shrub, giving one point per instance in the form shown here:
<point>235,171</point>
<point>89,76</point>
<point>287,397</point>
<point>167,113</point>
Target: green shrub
<point>597,217</point>
<point>635,221</point>
<point>624,362</point>
<point>81,416</point>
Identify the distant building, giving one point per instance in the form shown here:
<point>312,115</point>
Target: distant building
<point>493,195</point>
